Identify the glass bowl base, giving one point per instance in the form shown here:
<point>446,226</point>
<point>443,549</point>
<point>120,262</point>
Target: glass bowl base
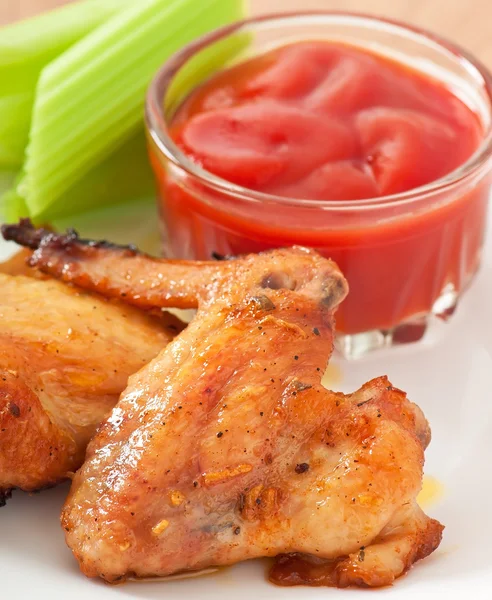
<point>354,346</point>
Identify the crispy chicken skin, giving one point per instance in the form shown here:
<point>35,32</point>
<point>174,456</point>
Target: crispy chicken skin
<point>226,446</point>
<point>65,357</point>
<point>17,264</point>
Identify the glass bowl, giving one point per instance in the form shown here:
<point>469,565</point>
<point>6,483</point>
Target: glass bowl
<point>408,257</point>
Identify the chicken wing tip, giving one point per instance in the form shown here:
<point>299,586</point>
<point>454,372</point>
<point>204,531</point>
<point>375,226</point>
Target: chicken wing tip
<point>23,233</point>
<point>26,234</point>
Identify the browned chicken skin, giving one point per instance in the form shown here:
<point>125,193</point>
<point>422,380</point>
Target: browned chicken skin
<point>65,357</point>
<point>226,446</point>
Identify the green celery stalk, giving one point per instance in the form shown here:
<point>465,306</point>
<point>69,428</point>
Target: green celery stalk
<point>12,205</point>
<point>90,99</point>
<point>7,179</point>
<point>129,223</point>
<point>123,176</point>
<point>15,119</point>
<point>26,47</point>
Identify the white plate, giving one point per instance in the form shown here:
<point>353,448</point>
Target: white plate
<point>449,375</point>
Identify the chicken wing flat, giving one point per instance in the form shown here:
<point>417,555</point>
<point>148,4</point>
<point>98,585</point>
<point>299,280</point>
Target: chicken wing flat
<point>226,447</point>
<point>65,357</point>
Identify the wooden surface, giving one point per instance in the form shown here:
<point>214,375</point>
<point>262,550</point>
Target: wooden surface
<point>467,22</point>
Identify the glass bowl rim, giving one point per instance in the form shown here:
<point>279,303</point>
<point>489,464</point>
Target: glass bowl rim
<point>158,129</point>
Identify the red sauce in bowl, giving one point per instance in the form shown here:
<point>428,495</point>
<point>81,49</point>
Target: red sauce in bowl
<point>325,121</point>
<point>330,122</point>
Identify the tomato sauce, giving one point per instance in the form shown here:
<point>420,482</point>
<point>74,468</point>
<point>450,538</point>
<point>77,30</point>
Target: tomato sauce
<point>323,121</point>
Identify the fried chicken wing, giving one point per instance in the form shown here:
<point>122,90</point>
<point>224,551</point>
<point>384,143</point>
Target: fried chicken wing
<point>226,447</point>
<point>17,264</point>
<point>65,357</point>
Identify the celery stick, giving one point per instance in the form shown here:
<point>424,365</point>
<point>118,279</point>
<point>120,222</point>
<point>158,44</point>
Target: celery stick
<point>15,118</point>
<point>26,47</point>
<point>36,41</point>
<point>7,179</point>
<point>12,206</point>
<point>129,223</point>
<point>91,98</point>
<point>123,176</point>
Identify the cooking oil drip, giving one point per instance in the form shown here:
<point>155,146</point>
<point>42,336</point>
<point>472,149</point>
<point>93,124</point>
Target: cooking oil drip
<point>432,491</point>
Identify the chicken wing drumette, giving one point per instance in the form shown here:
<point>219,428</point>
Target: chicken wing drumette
<point>226,446</point>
